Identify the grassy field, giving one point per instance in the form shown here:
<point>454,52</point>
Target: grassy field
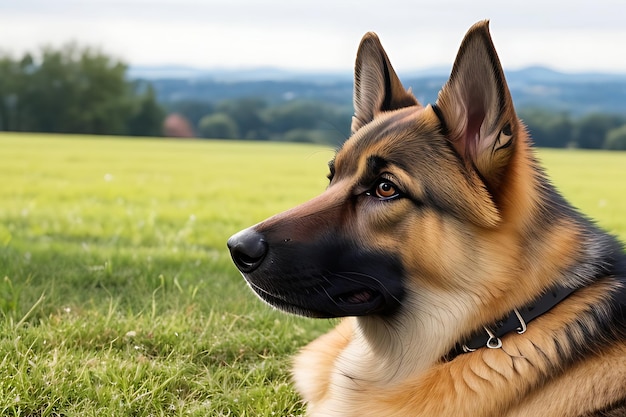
<point>117,294</point>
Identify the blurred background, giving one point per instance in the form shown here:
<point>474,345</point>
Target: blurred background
<point>282,70</point>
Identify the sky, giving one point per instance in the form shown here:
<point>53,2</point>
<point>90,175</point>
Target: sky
<point>321,35</point>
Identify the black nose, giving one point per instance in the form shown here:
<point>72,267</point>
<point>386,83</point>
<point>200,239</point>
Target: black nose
<point>247,248</point>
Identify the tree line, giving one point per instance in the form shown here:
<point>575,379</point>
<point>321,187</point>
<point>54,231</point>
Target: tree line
<point>252,118</point>
<point>311,121</point>
<point>560,130</point>
<point>76,89</point>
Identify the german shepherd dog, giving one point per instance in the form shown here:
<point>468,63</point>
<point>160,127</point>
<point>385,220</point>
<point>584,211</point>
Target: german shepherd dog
<point>469,285</point>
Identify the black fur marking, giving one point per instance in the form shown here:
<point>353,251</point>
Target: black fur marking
<point>442,122</point>
<point>375,164</point>
<point>386,105</point>
<point>332,278</point>
<point>560,350</point>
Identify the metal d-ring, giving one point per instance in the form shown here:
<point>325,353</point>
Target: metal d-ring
<point>522,328</point>
<point>493,342</point>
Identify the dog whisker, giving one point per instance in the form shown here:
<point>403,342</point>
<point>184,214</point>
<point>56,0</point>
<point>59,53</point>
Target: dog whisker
<point>381,284</point>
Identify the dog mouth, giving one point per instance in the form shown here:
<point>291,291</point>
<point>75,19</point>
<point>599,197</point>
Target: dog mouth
<point>358,297</point>
<point>358,302</point>
<point>361,302</point>
<point>332,281</point>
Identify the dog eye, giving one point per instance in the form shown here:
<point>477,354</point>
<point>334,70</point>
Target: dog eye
<point>384,190</point>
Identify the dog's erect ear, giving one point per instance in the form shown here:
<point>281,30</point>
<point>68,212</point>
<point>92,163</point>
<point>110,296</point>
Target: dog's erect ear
<point>477,108</point>
<point>377,88</point>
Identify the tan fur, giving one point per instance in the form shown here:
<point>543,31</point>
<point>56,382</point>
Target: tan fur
<point>356,371</point>
<point>599,378</point>
<point>490,382</point>
<point>474,231</point>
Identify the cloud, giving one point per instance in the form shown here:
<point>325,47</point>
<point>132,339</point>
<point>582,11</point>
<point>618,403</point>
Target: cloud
<point>319,34</point>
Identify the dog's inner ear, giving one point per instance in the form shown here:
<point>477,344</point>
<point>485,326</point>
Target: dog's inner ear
<point>377,88</point>
<point>478,110</point>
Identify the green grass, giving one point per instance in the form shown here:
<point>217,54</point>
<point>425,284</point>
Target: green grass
<point>594,181</point>
<point>117,294</point>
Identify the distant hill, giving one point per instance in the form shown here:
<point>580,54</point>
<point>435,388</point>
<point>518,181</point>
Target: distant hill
<point>234,74</point>
<point>574,93</point>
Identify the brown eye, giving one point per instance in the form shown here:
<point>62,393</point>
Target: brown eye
<point>385,190</point>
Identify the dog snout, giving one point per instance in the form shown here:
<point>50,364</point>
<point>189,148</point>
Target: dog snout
<point>248,249</point>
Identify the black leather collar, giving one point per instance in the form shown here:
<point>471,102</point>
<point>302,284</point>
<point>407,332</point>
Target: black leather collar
<point>490,336</point>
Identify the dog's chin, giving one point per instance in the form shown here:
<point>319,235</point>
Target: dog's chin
<point>323,304</point>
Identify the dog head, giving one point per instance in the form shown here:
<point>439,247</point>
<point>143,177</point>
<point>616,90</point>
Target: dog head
<point>411,192</point>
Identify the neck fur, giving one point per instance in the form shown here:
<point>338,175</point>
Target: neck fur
<point>388,349</point>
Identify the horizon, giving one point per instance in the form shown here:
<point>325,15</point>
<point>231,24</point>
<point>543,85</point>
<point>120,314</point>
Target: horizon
<point>269,73</point>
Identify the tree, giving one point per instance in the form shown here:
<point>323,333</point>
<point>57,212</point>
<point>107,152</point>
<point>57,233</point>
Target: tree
<point>548,129</point>
<point>331,124</point>
<point>593,128</point>
<point>147,115</point>
<point>247,115</point>
<point>616,139</point>
<point>218,126</point>
<point>310,136</point>
<point>13,80</point>
<point>73,90</point>
<point>78,90</point>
